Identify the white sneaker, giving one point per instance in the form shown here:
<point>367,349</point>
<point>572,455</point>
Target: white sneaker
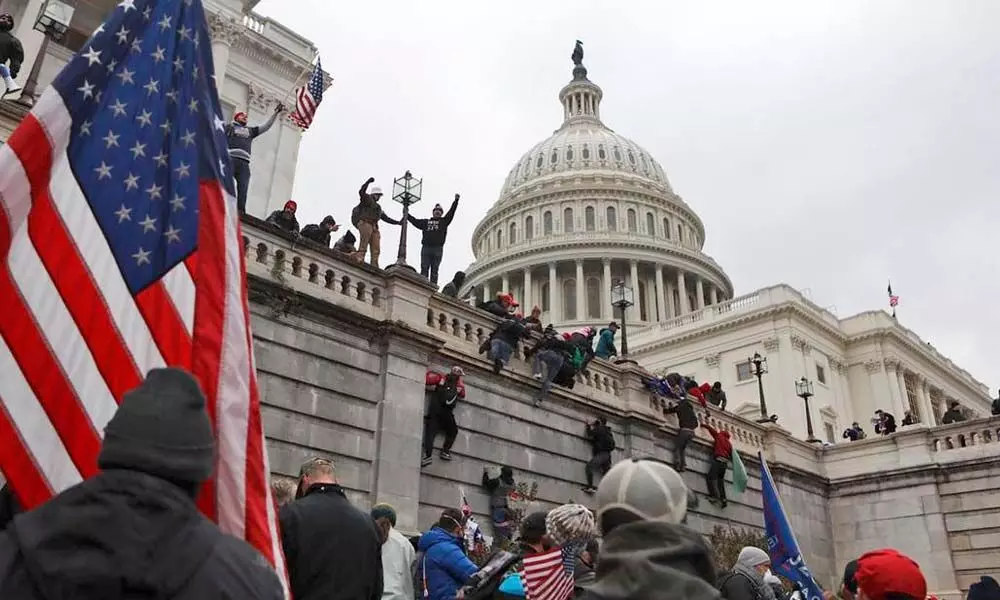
<point>12,89</point>
<point>537,376</point>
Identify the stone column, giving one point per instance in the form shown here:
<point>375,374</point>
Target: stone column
<point>713,294</point>
<point>634,274</point>
<point>607,311</point>
<point>682,293</point>
<point>487,292</point>
<point>225,31</point>
<point>901,383</point>
<point>892,379</point>
<point>878,386</point>
<point>924,399</point>
<point>699,292</point>
<point>505,283</point>
<point>661,302</point>
<point>581,298</point>
<point>671,309</point>
<point>554,295</point>
<point>528,292</point>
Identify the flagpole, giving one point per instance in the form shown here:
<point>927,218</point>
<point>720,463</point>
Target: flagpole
<point>300,78</point>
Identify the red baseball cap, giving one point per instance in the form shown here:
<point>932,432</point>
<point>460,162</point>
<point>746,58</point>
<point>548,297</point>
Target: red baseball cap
<point>886,571</point>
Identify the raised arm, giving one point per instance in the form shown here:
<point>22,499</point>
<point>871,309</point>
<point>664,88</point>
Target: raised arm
<point>364,187</point>
<point>262,128</point>
<point>418,223</point>
<point>448,216</point>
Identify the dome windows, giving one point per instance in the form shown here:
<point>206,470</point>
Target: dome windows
<point>499,238</point>
<point>631,158</point>
<point>540,161</point>
<point>569,299</point>
<point>547,223</point>
<point>512,236</point>
<point>586,152</point>
<point>650,224</point>
<point>601,154</point>
<point>632,225</point>
<point>569,153</point>
<point>517,170</point>
<point>612,219</point>
<point>645,167</point>
<point>666,227</point>
<point>618,154</point>
<point>529,227</point>
<point>555,156</point>
<point>568,220</point>
<point>591,218</point>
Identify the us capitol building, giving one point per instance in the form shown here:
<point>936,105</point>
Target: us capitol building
<point>587,207</point>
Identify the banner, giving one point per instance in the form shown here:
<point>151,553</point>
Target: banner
<point>786,558</point>
<point>739,473</point>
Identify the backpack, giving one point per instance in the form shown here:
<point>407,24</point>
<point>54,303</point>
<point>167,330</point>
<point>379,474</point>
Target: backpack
<point>486,582</point>
<point>417,575</point>
<point>728,576</point>
<point>356,215</point>
<point>576,359</point>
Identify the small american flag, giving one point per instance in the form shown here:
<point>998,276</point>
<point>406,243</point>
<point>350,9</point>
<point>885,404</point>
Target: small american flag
<point>549,575</point>
<point>307,98</point>
<point>121,252</point>
<point>893,300</point>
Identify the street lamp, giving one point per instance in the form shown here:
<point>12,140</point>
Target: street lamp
<point>405,190</point>
<point>622,298</point>
<point>54,18</point>
<point>804,390</point>
<point>758,366</point>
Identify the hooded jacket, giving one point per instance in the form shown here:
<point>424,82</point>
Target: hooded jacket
<point>445,566</point>
<point>684,409</point>
<point>346,243</point>
<point>319,232</point>
<point>606,344</point>
<point>722,448</point>
<point>649,559</point>
<point>435,228</point>
<point>125,534</point>
<point>511,331</point>
<point>285,220</point>
<point>451,288</point>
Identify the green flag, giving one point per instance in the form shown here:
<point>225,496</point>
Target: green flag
<point>739,473</point>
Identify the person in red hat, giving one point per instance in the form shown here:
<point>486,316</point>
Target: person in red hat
<point>285,218</point>
<point>888,574</point>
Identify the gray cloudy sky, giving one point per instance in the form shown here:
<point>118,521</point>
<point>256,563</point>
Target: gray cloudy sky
<point>826,144</point>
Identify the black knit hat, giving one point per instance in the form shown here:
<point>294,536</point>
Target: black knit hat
<point>162,429</point>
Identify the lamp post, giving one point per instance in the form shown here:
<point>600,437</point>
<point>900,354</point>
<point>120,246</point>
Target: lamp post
<point>804,390</point>
<point>758,366</point>
<point>54,18</point>
<point>622,299</point>
<point>406,190</point>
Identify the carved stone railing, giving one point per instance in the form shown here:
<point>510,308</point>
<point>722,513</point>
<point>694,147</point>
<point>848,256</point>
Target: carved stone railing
<point>307,268</point>
<point>966,434</point>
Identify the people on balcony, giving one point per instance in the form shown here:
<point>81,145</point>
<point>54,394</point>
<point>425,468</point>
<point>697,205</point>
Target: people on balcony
<point>451,288</point>
<point>503,340</point>
<point>321,233</point>
<point>854,432</point>
<point>284,219</point>
<point>366,217</point>
<point>909,418</point>
<point>722,451</point>
<point>240,138</point>
<point>884,422</point>
<point>11,55</point>
<point>444,392</point>
<point>435,232</point>
<point>346,243</point>
<point>953,414</point>
<point>602,444</point>
<point>717,396</point>
<point>606,342</point>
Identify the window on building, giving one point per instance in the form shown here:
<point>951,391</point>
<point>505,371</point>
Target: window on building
<point>546,305</point>
<point>911,396</point>
<point>591,218</point>
<point>641,301</point>
<point>512,235</point>
<point>586,152</point>
<point>529,227</point>
<point>612,219</point>
<point>632,225</point>
<point>631,157</point>
<point>555,156</point>
<point>569,153</point>
<point>547,223</point>
<point>540,161</point>
<point>618,154</point>
<point>666,227</point>
<point>743,371</point>
<point>489,246</point>
<point>820,374</point>
<point>650,224</point>
<point>568,220</point>
<point>828,428</point>
<point>569,299</point>
<point>680,233</point>
<point>601,154</point>
<point>499,238</point>
<point>593,298</point>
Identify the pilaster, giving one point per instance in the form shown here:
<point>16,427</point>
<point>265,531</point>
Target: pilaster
<point>225,32</point>
<point>661,304</point>
<point>900,406</point>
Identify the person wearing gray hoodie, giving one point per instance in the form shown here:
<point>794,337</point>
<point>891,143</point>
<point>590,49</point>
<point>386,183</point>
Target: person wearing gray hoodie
<point>746,580</point>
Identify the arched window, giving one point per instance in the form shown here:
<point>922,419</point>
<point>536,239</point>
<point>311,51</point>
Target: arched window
<point>499,238</point>
<point>586,152</point>
<point>529,227</point>
<point>540,161</point>
<point>666,227</point>
<point>593,298</point>
<point>569,299</point>
<point>547,223</point>
<point>545,296</point>
<point>650,224</point>
<point>568,220</point>
<point>591,218</point>
<point>618,154</point>
<point>512,236</point>
<point>632,225</point>
<point>555,156</point>
<point>631,157</point>
<point>612,219</point>
<point>680,233</point>
<point>569,152</point>
<point>601,154</point>
<point>641,300</point>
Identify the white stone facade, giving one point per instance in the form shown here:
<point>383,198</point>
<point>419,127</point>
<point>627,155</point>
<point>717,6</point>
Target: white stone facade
<point>258,62</point>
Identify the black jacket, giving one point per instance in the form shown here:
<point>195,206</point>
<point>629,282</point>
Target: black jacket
<point>952,415</point>
<point>648,559</point>
<point>996,407</point>
<point>435,230</point>
<point>331,548</point>
<point>686,416</point>
<point>600,437</point>
<point>9,506</point>
<point>317,233</point>
<point>511,331</point>
<point>283,220</point>
<point>11,52</point>
<point>125,534</point>
<point>735,585</point>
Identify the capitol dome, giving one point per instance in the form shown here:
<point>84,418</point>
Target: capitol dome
<point>583,209</point>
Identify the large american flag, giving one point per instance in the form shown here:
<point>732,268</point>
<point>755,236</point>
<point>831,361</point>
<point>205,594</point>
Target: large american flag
<point>549,575</point>
<point>308,97</point>
<point>121,252</point>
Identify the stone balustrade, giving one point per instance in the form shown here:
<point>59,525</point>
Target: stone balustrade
<point>967,434</point>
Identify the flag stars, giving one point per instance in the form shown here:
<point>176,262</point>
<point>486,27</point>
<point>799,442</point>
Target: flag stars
<point>122,35</point>
<point>148,224</point>
<point>153,87</point>
<point>158,54</point>
<point>138,150</point>
<point>185,33</point>
<point>127,5</point>
<point>195,71</point>
<point>164,23</point>
<point>147,14</point>
<point>93,57</point>
<point>85,127</point>
<point>118,108</point>
<point>131,182</point>
<point>219,123</point>
<point>161,159</point>
<point>172,234</point>
<point>177,202</point>
<point>183,170</point>
<point>87,89</point>
<point>165,126</point>
<point>141,257</point>
<point>145,118</point>
<point>178,65</point>
<point>137,45</point>
<point>126,76</point>
<point>98,96</point>
<point>188,138</point>
<point>123,214</point>
<point>155,192</point>
<point>112,66</point>
<point>193,105</point>
<point>111,139</point>
<point>172,96</point>
<point>103,171</point>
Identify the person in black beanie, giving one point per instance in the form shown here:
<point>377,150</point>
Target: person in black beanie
<point>435,233</point>
<point>133,529</point>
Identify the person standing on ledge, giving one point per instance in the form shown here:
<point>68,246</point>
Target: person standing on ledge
<point>11,55</point>
<point>435,231</point>
<point>366,216</point>
<point>240,139</point>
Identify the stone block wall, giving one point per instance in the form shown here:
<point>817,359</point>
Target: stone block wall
<point>970,505</point>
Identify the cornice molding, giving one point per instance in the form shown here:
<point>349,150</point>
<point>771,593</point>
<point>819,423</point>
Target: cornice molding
<point>273,59</point>
<point>801,344</point>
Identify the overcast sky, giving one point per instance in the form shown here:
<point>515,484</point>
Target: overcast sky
<point>831,145</point>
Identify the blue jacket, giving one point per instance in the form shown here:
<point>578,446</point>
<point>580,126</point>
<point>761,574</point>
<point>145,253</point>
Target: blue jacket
<point>606,344</point>
<point>447,567</point>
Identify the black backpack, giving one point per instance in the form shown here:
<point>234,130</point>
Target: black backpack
<point>485,582</point>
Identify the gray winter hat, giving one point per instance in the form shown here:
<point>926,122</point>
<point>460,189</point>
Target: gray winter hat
<point>640,490</point>
<point>162,429</point>
<point>751,556</point>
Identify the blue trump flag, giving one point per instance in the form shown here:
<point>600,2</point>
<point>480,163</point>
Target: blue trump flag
<point>786,558</point>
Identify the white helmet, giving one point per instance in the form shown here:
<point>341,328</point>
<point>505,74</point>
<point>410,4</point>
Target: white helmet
<point>375,190</point>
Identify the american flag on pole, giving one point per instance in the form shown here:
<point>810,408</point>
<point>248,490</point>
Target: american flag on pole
<point>121,252</point>
<point>308,97</point>
<point>893,300</point>
<point>549,575</point>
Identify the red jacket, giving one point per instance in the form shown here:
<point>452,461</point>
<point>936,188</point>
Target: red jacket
<point>434,378</point>
<point>723,447</point>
